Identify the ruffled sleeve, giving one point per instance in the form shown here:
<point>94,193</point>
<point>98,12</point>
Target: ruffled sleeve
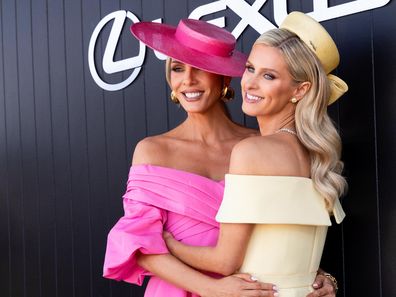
<point>274,200</point>
<point>153,196</point>
<point>139,230</point>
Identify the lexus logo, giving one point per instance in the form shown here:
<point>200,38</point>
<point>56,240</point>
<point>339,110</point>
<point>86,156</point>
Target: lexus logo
<point>249,14</point>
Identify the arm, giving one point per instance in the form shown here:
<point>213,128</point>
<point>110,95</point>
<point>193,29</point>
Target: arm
<point>173,271</point>
<point>225,258</point>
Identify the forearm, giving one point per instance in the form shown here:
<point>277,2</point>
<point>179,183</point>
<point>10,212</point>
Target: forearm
<point>170,269</point>
<point>225,258</point>
<point>203,258</point>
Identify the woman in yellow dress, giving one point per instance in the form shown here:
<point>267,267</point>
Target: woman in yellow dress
<point>283,185</point>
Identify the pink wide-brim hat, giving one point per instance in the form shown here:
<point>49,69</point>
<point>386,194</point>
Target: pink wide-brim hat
<point>194,42</point>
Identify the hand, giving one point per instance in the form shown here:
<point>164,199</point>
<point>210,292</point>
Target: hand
<point>169,240</point>
<point>167,235</point>
<point>323,286</point>
<point>240,285</point>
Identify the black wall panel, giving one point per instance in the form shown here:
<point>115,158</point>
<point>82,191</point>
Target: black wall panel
<point>66,144</point>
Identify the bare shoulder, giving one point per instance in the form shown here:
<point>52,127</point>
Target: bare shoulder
<point>150,150</point>
<point>265,155</point>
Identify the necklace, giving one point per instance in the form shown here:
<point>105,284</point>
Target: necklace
<point>291,131</point>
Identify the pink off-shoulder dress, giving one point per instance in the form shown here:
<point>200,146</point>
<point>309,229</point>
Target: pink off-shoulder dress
<point>160,198</point>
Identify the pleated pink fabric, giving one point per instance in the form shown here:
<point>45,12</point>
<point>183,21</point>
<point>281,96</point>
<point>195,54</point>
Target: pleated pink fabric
<point>160,198</point>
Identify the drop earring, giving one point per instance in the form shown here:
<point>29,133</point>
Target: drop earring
<point>174,98</point>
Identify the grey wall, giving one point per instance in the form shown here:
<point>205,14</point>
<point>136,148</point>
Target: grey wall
<point>66,144</point>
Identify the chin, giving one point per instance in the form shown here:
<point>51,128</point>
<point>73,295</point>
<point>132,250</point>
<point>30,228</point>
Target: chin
<point>249,110</point>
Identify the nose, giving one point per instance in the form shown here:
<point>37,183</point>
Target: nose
<point>189,75</point>
<point>251,80</point>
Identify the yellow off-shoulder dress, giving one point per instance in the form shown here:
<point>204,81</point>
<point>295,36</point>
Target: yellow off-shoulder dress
<point>291,222</point>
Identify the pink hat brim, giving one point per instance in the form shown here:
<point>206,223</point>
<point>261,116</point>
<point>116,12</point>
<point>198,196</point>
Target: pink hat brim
<point>161,37</point>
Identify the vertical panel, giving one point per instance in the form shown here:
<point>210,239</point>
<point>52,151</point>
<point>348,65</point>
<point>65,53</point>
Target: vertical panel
<point>384,46</point>
<point>28,148</point>
<point>12,119</point>
<point>97,155</point>
<point>45,155</point>
<point>96,147</point>
<point>5,275</point>
<point>354,39</point>
<point>80,186</point>
<point>61,144</point>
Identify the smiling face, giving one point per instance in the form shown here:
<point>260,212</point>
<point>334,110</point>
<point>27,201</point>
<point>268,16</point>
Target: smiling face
<point>267,85</point>
<point>197,90</point>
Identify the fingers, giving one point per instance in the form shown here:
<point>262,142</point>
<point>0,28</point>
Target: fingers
<point>166,234</point>
<point>245,276</point>
<point>252,287</point>
<point>252,279</point>
<point>319,280</point>
<point>326,291</point>
<point>261,293</point>
<point>260,289</point>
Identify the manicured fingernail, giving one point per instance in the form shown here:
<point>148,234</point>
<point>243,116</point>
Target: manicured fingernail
<point>275,288</point>
<point>315,285</point>
<point>253,278</point>
<point>276,294</point>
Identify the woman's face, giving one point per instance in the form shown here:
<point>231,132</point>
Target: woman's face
<point>267,85</point>
<point>197,90</point>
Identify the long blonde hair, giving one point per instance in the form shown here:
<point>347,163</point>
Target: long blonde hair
<point>315,129</point>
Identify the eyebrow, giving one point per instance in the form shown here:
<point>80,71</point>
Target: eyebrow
<point>262,69</point>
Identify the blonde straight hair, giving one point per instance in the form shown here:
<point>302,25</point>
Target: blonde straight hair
<point>315,129</point>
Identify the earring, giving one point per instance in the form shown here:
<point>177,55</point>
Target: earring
<point>293,100</point>
<point>227,94</point>
<point>174,98</point>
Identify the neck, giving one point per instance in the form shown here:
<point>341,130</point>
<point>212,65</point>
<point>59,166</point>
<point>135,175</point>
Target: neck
<point>209,127</point>
<point>271,124</point>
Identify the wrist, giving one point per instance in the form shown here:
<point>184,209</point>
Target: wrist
<point>208,288</point>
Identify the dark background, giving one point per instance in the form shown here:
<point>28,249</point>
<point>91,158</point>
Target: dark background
<point>66,144</point>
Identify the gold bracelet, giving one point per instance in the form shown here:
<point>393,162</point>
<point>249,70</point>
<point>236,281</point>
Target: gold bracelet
<point>333,280</point>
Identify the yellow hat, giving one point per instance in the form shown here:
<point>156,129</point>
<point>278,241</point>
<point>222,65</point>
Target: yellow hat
<point>320,42</point>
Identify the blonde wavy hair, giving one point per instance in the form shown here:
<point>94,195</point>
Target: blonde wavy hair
<point>315,129</point>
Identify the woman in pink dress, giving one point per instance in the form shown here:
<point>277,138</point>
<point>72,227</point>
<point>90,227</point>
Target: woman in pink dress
<point>176,179</point>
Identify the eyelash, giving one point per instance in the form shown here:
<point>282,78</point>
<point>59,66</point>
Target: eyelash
<point>267,76</point>
<point>249,68</point>
<point>176,69</point>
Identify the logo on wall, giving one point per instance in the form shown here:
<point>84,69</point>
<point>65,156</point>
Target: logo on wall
<point>249,14</point>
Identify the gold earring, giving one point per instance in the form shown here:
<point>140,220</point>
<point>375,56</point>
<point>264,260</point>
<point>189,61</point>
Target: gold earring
<point>293,100</point>
<point>227,94</point>
<point>174,98</point>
